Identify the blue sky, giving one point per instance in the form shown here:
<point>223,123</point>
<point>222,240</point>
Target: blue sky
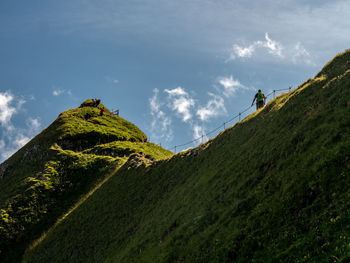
<point>176,69</point>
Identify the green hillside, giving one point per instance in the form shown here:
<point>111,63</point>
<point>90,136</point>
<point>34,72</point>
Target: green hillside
<point>272,188</point>
<point>56,169</point>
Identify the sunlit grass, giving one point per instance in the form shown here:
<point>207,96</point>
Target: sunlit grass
<point>272,188</point>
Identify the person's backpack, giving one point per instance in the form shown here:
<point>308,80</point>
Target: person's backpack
<point>260,97</point>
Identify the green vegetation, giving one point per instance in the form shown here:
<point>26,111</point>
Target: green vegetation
<point>337,66</point>
<point>272,188</point>
<point>58,168</point>
<point>126,148</point>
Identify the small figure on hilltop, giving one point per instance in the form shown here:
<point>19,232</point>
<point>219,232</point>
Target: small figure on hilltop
<point>102,111</point>
<point>260,99</point>
<point>96,102</point>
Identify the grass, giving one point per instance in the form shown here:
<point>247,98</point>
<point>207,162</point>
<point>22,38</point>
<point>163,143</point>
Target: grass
<point>272,188</point>
<point>126,148</point>
<point>65,163</point>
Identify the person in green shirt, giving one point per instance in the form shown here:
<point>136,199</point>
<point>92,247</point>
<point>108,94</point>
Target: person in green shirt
<point>260,99</point>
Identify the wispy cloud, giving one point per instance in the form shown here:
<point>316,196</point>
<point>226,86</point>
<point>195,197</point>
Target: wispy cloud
<point>271,46</point>
<point>161,123</point>
<point>301,55</point>
<point>6,109</point>
<point>292,53</point>
<point>110,79</point>
<point>12,137</point>
<point>215,106</point>
<point>16,138</point>
<point>230,86</point>
<point>199,132</point>
<point>59,92</point>
<point>125,21</point>
<point>33,124</point>
<point>180,102</point>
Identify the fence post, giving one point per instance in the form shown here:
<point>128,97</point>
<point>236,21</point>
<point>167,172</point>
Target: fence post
<point>274,93</point>
<point>202,138</point>
<point>290,87</point>
<point>224,125</point>
<point>239,115</point>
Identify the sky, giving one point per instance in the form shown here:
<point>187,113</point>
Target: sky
<point>176,69</point>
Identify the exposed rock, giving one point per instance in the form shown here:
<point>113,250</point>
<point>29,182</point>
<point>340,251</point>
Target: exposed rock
<point>195,151</point>
<point>136,160</point>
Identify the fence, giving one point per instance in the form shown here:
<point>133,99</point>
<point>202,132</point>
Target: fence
<point>239,116</point>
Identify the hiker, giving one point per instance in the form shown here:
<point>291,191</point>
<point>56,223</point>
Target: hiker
<point>96,102</point>
<point>101,111</point>
<point>260,99</point>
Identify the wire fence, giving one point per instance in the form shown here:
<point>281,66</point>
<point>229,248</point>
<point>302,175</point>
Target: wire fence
<point>223,126</point>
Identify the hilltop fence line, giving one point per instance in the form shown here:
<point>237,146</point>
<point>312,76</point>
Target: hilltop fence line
<point>239,116</point>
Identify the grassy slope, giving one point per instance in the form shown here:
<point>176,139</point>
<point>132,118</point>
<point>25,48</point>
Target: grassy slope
<point>273,188</point>
<point>58,167</point>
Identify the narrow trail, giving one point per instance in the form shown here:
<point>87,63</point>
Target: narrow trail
<point>238,116</point>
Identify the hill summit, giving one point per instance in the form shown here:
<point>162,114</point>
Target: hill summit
<point>272,188</point>
<point>59,166</point>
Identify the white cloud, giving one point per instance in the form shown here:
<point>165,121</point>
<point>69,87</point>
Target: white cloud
<point>2,144</point>
<point>214,107</point>
<point>273,47</point>
<point>300,54</point>
<point>198,132</point>
<point>174,21</point>
<point>161,123</point>
<point>58,92</point>
<point>6,110</point>
<point>33,124</point>
<point>242,51</point>
<point>6,153</point>
<point>178,91</point>
<point>20,140</point>
<point>230,85</point>
<point>13,138</point>
<point>180,102</point>
<point>294,53</point>
<point>115,81</point>
<point>16,137</point>
<point>154,102</point>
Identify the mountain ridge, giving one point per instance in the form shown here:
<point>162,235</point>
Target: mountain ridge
<point>271,188</point>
